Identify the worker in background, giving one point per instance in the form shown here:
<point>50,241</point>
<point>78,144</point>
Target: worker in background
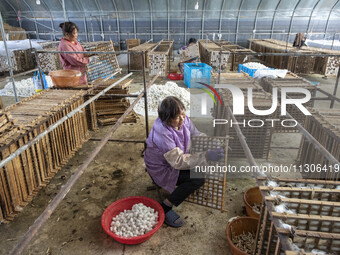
<point>69,43</point>
<point>191,41</point>
<point>188,54</point>
<point>167,158</point>
<point>300,40</point>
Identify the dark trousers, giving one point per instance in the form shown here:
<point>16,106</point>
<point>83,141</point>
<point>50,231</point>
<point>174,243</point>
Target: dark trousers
<point>185,186</point>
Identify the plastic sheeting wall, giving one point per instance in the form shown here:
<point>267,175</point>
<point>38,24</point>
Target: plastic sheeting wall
<point>172,19</point>
<point>228,29</point>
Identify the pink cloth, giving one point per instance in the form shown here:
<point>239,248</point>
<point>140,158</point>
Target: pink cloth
<point>73,61</point>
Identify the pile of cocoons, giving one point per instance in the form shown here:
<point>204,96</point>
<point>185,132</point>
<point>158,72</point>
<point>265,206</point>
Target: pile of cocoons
<point>135,222</point>
<point>157,93</point>
<point>24,88</point>
<point>255,65</point>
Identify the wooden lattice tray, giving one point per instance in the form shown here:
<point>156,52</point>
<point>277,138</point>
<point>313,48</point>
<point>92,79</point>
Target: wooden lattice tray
<point>212,193</point>
<point>159,58</point>
<point>258,139</point>
<point>104,64</point>
<point>235,59</point>
<point>269,84</point>
<point>26,174</point>
<point>210,54</point>
<point>298,64</point>
<point>230,76</point>
<point>135,58</point>
<point>324,126</point>
<point>109,109</point>
<point>310,218</point>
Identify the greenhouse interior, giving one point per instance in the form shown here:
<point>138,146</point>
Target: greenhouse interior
<point>170,127</point>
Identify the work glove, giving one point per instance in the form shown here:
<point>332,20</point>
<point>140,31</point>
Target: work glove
<point>215,155</point>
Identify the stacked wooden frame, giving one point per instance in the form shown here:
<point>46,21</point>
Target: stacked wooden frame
<point>296,64</point>
<point>258,139</point>
<point>310,221</point>
<point>108,108</point>
<point>130,43</point>
<point>234,59</point>
<point>210,54</point>
<point>49,61</point>
<point>269,84</point>
<point>324,126</point>
<point>27,173</point>
<point>159,58</point>
<point>135,58</point>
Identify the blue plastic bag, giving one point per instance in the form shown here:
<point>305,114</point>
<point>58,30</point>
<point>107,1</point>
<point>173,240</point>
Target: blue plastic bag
<point>36,81</point>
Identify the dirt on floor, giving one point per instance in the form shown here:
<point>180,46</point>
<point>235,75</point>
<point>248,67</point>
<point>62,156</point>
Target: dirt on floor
<point>117,172</point>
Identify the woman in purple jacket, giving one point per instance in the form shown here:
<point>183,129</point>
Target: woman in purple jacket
<point>167,158</point>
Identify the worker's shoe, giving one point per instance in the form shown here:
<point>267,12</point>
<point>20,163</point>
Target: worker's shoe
<point>173,219</point>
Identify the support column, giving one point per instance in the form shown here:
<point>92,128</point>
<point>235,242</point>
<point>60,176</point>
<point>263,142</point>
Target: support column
<point>273,20</point>
<point>3,34</point>
<point>221,14</point>
<point>134,19</point>
<point>291,23</point>
<point>310,17</point>
<point>238,20</point>
<point>329,16</point>
<point>151,20</point>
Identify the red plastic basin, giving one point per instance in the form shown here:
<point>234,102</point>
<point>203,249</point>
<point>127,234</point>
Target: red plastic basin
<point>126,204</point>
<point>175,76</point>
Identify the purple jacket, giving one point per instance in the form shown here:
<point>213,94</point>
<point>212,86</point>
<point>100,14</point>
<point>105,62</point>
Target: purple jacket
<point>162,139</point>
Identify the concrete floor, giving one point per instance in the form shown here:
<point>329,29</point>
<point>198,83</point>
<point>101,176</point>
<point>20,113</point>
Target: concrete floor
<point>119,171</point>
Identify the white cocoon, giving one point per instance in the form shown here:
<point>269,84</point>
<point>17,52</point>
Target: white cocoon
<point>135,222</point>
